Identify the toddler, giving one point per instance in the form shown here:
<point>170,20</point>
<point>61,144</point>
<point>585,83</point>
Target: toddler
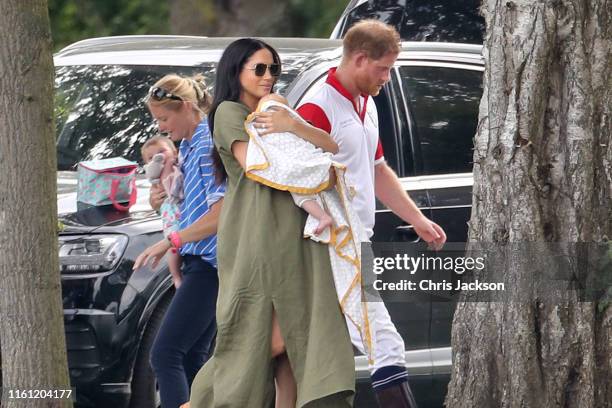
<point>160,157</point>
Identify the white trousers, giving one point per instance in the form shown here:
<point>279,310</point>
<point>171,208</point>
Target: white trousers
<point>388,347</point>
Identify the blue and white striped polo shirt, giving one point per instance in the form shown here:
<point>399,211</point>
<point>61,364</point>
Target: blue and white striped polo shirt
<point>200,188</point>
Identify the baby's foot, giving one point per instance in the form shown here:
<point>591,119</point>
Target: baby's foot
<point>324,222</point>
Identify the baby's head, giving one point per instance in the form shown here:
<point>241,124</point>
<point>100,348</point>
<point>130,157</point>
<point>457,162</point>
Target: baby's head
<point>158,144</point>
<point>275,97</point>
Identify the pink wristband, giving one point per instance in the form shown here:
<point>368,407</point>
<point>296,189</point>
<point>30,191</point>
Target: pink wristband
<point>175,240</point>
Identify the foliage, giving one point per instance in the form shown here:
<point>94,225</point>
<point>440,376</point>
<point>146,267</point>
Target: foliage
<point>74,20</point>
<point>314,18</point>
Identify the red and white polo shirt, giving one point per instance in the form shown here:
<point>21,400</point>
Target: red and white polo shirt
<point>355,130</point>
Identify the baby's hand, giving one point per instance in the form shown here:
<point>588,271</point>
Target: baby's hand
<point>157,195</point>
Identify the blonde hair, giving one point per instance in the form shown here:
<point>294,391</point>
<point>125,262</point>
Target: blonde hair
<point>156,141</point>
<point>372,37</point>
<point>190,89</point>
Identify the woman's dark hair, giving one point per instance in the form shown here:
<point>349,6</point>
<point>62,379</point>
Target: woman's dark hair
<point>227,82</point>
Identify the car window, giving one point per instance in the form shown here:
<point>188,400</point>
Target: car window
<point>100,110</point>
<point>443,104</point>
<point>424,20</point>
<point>387,127</point>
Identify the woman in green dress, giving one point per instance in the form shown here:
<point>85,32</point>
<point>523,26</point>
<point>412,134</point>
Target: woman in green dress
<point>277,313</point>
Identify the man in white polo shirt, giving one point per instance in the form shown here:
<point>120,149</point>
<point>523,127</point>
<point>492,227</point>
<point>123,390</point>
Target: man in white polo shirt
<point>343,107</point>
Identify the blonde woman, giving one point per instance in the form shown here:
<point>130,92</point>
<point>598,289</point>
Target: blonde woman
<point>183,343</point>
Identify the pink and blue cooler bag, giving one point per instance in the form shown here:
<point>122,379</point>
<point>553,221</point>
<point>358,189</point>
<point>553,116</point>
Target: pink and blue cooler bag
<point>107,181</point>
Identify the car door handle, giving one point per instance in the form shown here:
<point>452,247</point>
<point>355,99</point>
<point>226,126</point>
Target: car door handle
<point>407,233</point>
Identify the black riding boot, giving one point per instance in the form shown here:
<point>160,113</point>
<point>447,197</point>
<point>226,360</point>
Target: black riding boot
<point>396,396</point>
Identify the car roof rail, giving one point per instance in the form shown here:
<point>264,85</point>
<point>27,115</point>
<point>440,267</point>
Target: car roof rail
<point>442,47</point>
<point>122,39</point>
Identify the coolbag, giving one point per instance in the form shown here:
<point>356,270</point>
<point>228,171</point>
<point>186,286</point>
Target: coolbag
<point>107,181</point>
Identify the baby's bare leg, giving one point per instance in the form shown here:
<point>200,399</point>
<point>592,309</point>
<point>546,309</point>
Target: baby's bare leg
<point>313,208</point>
<point>174,264</point>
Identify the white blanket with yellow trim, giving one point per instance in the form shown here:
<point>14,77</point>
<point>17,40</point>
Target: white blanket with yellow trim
<point>287,162</point>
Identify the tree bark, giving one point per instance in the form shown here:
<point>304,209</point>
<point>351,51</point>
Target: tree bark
<point>542,174</point>
<point>235,18</point>
<point>31,317</point>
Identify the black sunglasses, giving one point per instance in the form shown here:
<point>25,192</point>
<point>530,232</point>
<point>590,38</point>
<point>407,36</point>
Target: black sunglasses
<point>260,69</point>
<point>158,94</point>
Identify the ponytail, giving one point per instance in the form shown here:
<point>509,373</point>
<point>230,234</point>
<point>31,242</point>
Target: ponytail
<point>203,98</point>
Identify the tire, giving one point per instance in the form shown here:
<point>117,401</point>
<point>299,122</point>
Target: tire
<point>145,392</point>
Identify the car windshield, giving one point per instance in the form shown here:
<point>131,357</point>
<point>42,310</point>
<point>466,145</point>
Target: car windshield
<point>426,20</point>
<point>100,111</point>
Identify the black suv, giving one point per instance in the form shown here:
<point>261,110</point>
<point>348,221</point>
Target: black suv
<point>428,115</point>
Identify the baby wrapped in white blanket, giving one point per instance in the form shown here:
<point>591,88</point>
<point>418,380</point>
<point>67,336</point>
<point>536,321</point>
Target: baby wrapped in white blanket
<point>287,162</point>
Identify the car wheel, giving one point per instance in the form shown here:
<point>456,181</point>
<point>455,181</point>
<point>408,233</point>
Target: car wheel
<point>145,392</point>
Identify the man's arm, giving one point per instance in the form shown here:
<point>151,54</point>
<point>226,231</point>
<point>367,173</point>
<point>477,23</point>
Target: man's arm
<point>280,120</point>
<point>315,116</point>
<point>390,192</point>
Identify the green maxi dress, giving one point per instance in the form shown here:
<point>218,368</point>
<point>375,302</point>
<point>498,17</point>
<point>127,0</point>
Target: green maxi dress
<point>265,264</point>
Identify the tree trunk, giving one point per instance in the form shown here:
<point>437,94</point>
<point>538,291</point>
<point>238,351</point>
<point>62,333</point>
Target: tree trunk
<point>31,317</point>
<point>234,18</point>
<point>542,173</point>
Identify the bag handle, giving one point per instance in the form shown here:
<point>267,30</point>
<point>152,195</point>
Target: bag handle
<point>113,195</point>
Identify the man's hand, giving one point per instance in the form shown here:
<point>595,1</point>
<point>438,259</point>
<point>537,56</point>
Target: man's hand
<point>390,192</point>
<point>157,195</point>
<point>430,232</point>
